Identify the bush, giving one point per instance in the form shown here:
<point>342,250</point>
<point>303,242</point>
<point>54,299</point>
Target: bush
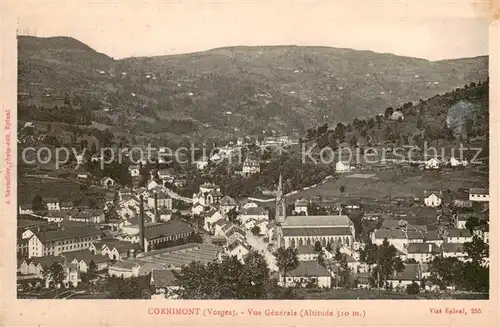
<point>413,288</point>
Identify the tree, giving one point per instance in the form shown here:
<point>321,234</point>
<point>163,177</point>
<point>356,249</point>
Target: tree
<point>476,250</point>
<point>232,215</point>
<point>317,246</point>
<point>255,230</point>
<point>286,260</point>
<point>129,288</point>
<point>353,140</point>
<point>420,123</point>
<point>444,271</point>
<point>329,247</point>
<point>369,254</point>
<point>342,189</point>
<point>413,288</point>
<point>55,274</point>
<point>37,203</point>
<point>344,271</point>
<point>92,271</point>
<point>229,279</point>
<point>387,262</point>
<point>388,112</point>
<point>472,222</point>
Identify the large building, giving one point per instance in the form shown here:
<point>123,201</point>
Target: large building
<point>338,230</point>
<point>57,241</point>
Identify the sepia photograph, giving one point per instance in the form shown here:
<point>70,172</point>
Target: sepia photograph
<point>187,151</point>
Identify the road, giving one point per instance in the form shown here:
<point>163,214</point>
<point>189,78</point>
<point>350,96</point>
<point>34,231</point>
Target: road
<point>261,246</point>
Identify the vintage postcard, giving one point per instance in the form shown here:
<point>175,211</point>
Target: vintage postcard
<point>249,163</point>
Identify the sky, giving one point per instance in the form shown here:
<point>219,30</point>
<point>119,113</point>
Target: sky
<point>430,30</point>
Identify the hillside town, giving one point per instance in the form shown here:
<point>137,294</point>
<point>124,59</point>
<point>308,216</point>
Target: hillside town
<point>146,233</point>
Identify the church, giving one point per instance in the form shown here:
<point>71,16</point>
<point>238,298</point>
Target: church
<point>296,231</point>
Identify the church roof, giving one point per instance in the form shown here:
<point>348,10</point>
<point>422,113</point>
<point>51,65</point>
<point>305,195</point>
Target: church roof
<point>314,231</point>
<point>318,221</point>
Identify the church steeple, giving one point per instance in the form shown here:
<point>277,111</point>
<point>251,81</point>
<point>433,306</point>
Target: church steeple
<point>280,209</point>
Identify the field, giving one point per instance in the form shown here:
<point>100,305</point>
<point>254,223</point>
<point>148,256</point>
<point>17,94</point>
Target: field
<point>393,183</point>
<point>65,190</point>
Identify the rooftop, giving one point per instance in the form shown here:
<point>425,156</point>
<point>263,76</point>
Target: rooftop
<point>309,269</point>
<point>479,191</point>
<point>316,231</point>
<point>318,221</point>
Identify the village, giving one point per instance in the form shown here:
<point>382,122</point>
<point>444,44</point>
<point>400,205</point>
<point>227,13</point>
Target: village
<point>151,226</point>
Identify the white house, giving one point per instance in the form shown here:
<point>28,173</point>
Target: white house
<point>454,250</point>
<point>307,253</point>
<point>163,284</point>
<point>411,274</point>
<point>397,115</point>
<point>197,209</point>
<point>432,163</point>
<point>458,236</point>
<point>226,204</point>
<point>341,166</point>
<point>433,198</point>
<point>251,167</point>
<point>454,162</point>
<point>107,182</point>
<point>479,195</point>
<point>307,272</point>
<point>211,218</point>
<point>257,213</point>
<point>25,209</point>
<point>300,206</point>
<point>134,170</point>
<point>238,249</point>
<point>51,203</point>
<point>422,252</point>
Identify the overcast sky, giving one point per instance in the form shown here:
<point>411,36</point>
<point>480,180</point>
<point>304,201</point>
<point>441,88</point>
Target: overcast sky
<point>425,30</point>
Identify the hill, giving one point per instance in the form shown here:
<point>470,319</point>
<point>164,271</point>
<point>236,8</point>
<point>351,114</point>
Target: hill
<point>233,91</point>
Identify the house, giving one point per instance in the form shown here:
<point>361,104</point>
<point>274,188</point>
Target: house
<point>197,209</point>
<point>168,231</point>
<point>454,162</point>
<point>458,236</point>
<point>300,206</point>
<point>433,198</point>
<point>396,237</point>
<point>307,272</point>
<point>245,204</point>
<point>66,205</point>
<point>238,248</point>
<point>218,228</point>
<point>107,182</point>
<point>433,236</point>
<point>52,204</point>
<point>342,166</point>
<point>250,167</point>
<point>262,224</point>
<point>60,240</point>
<point>210,218</point>
<point>119,250</point>
<point>124,269</point>
<point>307,253</point>
<point>134,170</point>
<point>36,265</point>
<point>249,223</point>
<point>256,213</point>
<point>163,200</point>
<point>483,232</point>
<point>455,250</point>
<point>432,163</point>
<point>479,195</point>
<point>166,175</point>
<point>163,284</point>
<point>461,200</point>
<point>233,232</point>
<point>422,252</point>
<point>410,274</point>
<point>25,209</point>
<point>226,204</point>
<point>397,115</point>
<point>95,216</point>
<point>82,260</point>
<point>83,175</point>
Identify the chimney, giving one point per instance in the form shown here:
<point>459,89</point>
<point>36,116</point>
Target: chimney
<point>128,254</point>
<point>141,223</point>
<point>134,254</point>
<point>430,247</point>
<point>155,218</point>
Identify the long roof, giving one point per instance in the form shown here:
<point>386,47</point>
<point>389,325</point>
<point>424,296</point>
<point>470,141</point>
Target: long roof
<point>317,221</point>
<point>168,229</point>
<point>309,269</point>
<point>67,233</point>
<point>317,231</point>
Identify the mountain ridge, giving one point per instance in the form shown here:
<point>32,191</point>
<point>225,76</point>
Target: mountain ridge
<point>244,89</point>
